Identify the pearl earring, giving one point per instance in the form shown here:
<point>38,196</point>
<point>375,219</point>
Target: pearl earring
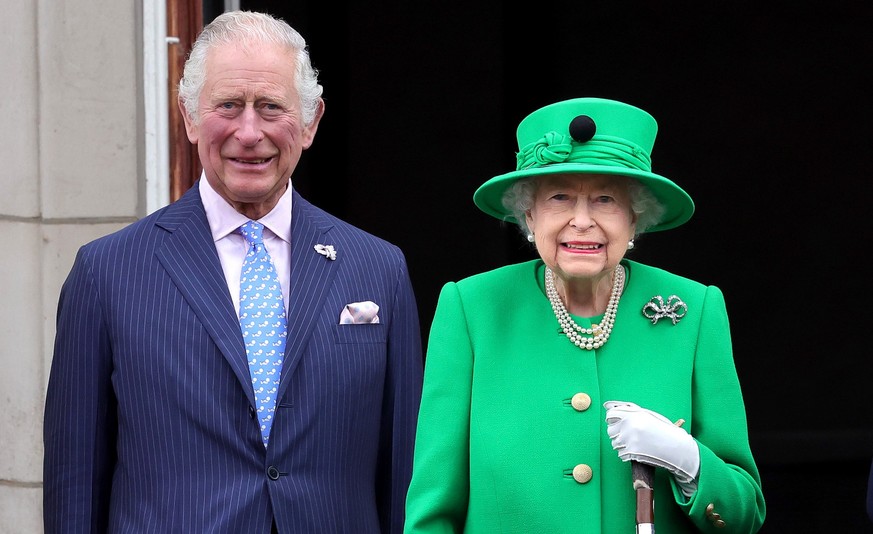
<point>530,237</point>
<point>630,244</point>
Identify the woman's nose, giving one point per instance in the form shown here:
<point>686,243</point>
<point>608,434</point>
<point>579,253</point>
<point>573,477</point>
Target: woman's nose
<point>582,219</point>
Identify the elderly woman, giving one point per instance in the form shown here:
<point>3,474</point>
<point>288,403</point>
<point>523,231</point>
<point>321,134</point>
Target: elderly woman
<point>546,381</point>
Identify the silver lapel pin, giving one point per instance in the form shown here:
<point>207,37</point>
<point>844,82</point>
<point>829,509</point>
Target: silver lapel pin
<point>326,250</point>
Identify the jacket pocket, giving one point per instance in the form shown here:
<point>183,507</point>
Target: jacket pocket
<point>360,333</point>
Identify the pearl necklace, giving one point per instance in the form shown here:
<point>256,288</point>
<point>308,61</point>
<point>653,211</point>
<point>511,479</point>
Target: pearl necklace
<point>599,332</point>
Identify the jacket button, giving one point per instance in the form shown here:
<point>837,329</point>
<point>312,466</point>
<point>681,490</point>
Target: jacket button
<point>251,412</point>
<point>581,402</point>
<point>582,473</point>
<point>273,473</point>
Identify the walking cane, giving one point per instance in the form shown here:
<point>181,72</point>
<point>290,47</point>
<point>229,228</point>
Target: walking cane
<point>644,481</point>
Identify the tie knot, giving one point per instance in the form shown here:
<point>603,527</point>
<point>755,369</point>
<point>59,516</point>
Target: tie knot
<point>253,231</point>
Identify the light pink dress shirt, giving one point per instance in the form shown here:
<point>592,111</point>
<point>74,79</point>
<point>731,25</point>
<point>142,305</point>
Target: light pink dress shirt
<point>232,248</point>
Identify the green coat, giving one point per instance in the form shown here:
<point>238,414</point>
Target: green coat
<point>498,436</point>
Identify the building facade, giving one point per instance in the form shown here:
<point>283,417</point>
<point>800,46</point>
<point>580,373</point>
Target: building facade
<point>73,142</point>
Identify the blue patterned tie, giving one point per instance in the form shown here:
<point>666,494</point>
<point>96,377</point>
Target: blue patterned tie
<point>263,323</point>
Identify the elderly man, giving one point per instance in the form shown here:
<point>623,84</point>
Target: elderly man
<point>239,361</point>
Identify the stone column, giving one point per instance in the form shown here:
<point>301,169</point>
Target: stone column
<point>71,147</point>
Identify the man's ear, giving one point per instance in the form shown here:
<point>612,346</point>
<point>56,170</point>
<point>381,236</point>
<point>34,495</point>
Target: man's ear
<point>190,127</point>
<point>309,131</point>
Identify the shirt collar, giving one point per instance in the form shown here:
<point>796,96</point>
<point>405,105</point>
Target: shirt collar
<point>224,220</point>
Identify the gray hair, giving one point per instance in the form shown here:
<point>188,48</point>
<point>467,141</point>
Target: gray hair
<point>245,28</point>
<point>519,198</point>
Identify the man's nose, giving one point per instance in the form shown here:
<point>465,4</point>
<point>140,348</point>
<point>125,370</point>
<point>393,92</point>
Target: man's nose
<point>249,132</point>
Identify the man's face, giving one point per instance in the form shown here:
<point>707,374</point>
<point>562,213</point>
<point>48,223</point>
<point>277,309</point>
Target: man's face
<point>250,134</point>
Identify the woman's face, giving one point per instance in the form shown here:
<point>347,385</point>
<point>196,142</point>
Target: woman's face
<point>581,223</point>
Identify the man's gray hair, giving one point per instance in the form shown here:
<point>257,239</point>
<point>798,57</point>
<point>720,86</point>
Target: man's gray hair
<point>246,28</point>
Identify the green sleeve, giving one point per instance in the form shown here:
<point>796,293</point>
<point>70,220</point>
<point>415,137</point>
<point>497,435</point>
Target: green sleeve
<point>728,482</point>
<point>439,490</point>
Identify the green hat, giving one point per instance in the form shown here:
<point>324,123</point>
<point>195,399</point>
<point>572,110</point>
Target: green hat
<point>588,136</point>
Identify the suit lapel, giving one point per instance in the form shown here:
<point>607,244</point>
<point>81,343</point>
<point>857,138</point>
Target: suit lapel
<point>189,256</point>
<point>312,275</point>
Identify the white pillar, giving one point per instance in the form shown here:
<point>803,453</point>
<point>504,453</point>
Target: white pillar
<point>72,146</point>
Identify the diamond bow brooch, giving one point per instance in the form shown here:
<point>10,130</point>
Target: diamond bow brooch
<point>657,309</point>
<point>326,250</point>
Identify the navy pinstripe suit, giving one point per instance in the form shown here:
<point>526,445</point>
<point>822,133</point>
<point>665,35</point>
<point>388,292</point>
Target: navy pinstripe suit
<point>149,423</point>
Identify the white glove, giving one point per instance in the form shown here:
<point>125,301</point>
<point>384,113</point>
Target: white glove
<point>650,438</point>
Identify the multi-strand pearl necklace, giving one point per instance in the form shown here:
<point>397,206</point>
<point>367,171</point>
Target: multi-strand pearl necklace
<point>599,333</point>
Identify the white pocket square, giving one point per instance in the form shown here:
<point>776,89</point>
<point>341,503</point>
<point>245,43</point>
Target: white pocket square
<point>360,313</point>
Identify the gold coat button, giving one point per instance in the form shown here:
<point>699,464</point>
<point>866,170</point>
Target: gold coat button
<point>581,402</point>
<point>582,473</point>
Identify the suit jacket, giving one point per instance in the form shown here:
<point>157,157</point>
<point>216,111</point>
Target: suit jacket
<point>149,417</point>
<point>512,417</point>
